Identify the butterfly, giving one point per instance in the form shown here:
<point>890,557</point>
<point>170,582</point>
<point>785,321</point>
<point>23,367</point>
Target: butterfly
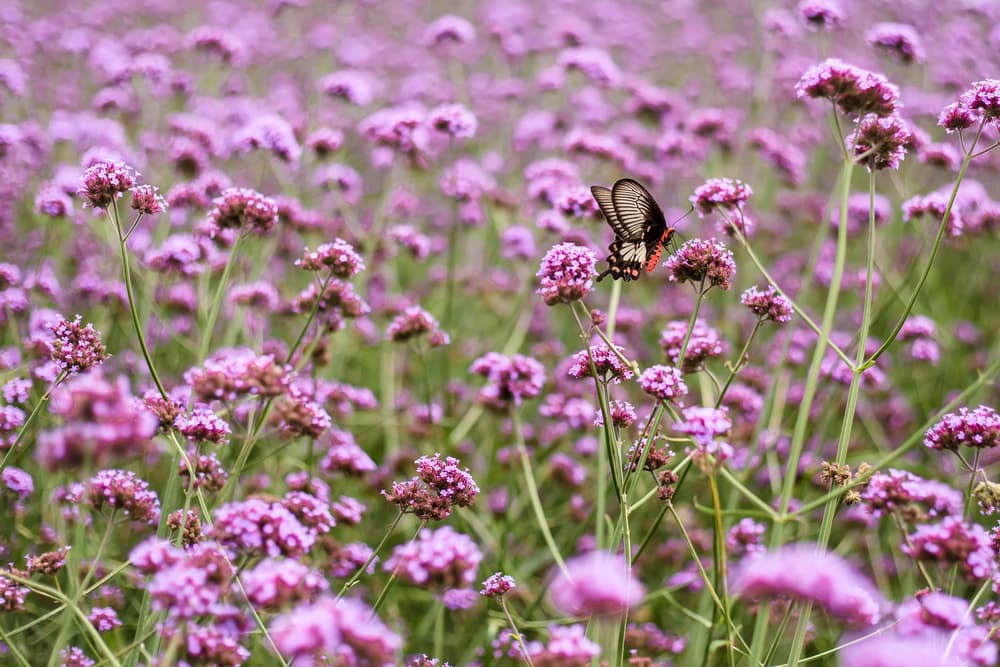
<point>640,229</point>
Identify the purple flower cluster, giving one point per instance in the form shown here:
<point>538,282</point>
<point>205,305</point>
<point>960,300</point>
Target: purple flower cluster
<point>121,490</point>
<point>438,559</point>
<point>263,528</point>
<point>509,380</point>
<point>911,495</point>
<point>607,365</point>
<point>721,194</point>
<point>855,91</point>
<point>147,200</point>
<point>704,344</point>
<point>978,428</point>
<point>440,485</point>
<point>346,628</point>
<point>705,263</point>
<point>277,584</point>
<point>104,182</point>
<point>203,425</point>
<point>804,572</point>
<point>705,426</point>
<point>954,542</point>
<point>767,304</point>
<point>76,348</point>
<point>101,422</point>
<point>243,209</point>
<point>415,322</point>
<point>898,40</point>
<point>879,142</point>
<point>598,583</point>
<point>497,585</point>
<point>339,257</point>
<point>567,273</point>
<point>231,373</point>
<point>664,383</point>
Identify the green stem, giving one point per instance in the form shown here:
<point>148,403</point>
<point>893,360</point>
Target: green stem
<point>532,487</point>
<point>942,227</point>
<point>802,419</point>
<point>361,570</point>
<point>690,329</point>
<point>734,368</point>
<point>12,451</point>
<point>517,633</point>
<point>133,310</point>
<point>616,294</point>
<point>721,576</point>
<point>213,313</point>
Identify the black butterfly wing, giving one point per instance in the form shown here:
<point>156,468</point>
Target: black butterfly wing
<point>604,199</point>
<point>639,226</point>
<point>626,260</point>
<point>637,211</point>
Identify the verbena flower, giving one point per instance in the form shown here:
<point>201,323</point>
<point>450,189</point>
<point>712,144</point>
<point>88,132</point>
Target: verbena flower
<point>275,584</point>
<point>607,364</point>
<point>345,627</point>
<point>124,491</point>
<point>804,572</point>
<point>262,528</point>
<point>440,485</point>
<point>723,194</point>
<point>702,262</point>
<point>203,425</point>
<point>704,344</point>
<point>879,142</point>
<point>855,91</point>
<point>243,209</point>
<point>104,182</point>
<point>914,497</point>
<point>339,257</point>
<point>566,273</point>
<point>438,559</point>
<point>898,40</point>
<point>147,200</point>
<point>978,428</point>
<point>415,322</point>
<point>497,585</point>
<point>664,383</point>
<point>767,304</point>
<point>952,542</point>
<point>454,120</point>
<point>510,380</point>
<point>76,348</point>
<point>820,14</point>
<point>598,584</point>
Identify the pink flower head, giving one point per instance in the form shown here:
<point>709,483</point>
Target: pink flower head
<point>804,572</point>
<point>567,273</point>
<point>597,583</point>
<point>767,304</point>
<point>978,428</point>
<point>664,383</point>
<point>708,263</point>
<point>147,200</point>
<point>76,348</point>
<point>879,142</point>
<point>243,209</point>
<point>724,194</point>
<point>104,182</point>
<point>854,90</point>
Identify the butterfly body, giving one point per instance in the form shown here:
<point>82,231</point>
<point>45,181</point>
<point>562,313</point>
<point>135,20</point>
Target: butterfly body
<point>639,226</point>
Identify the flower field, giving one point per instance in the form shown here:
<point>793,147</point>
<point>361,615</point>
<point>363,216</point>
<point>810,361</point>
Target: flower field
<point>482,334</point>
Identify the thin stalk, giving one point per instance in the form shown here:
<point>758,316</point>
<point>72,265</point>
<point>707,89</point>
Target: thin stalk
<point>213,312</point>
<point>13,449</point>
<point>133,310</point>
<point>805,405</point>
<point>734,368</point>
<point>361,570</point>
<point>691,322</point>
<point>392,577</point>
<point>517,633</point>
<point>532,487</point>
<point>616,294</point>
<point>721,576</point>
<point>891,338</point>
